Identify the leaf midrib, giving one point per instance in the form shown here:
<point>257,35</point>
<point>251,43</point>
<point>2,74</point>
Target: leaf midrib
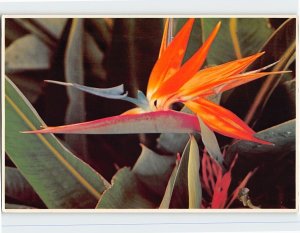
<point>69,167</point>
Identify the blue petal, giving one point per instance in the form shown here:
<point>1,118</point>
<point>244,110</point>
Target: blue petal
<point>110,93</point>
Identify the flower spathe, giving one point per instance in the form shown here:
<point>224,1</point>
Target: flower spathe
<point>173,81</point>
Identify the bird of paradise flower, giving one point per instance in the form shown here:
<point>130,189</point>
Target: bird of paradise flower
<point>173,81</point>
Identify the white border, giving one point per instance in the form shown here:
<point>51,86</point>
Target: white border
<point>159,222</point>
<point>2,115</point>
<point>149,16</point>
<point>208,7</point>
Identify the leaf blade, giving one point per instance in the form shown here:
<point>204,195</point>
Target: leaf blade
<point>165,203</point>
<point>125,193</point>
<point>27,53</point>
<point>180,192</point>
<point>251,34</point>
<point>74,73</point>
<point>17,187</point>
<point>49,155</point>
<point>210,142</point>
<point>282,136</point>
<point>194,184</point>
<point>154,170</point>
<point>142,186</point>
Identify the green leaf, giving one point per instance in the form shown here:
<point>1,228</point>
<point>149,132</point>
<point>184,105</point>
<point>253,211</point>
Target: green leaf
<point>172,143</point>
<point>194,184</point>
<point>142,186</point>
<point>210,142</point>
<point>126,192</point>
<point>74,73</point>
<point>165,203</point>
<point>154,170</point>
<point>251,34</point>
<point>17,187</point>
<point>27,53</point>
<point>290,89</point>
<point>57,176</point>
<point>180,190</point>
<point>184,187</point>
<point>282,136</point>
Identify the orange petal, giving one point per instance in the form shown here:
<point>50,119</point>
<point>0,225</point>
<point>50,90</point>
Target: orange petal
<point>171,58</point>
<point>164,40</point>
<point>189,68</point>
<point>222,120</point>
<point>207,79</point>
<point>241,79</point>
<point>221,86</point>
